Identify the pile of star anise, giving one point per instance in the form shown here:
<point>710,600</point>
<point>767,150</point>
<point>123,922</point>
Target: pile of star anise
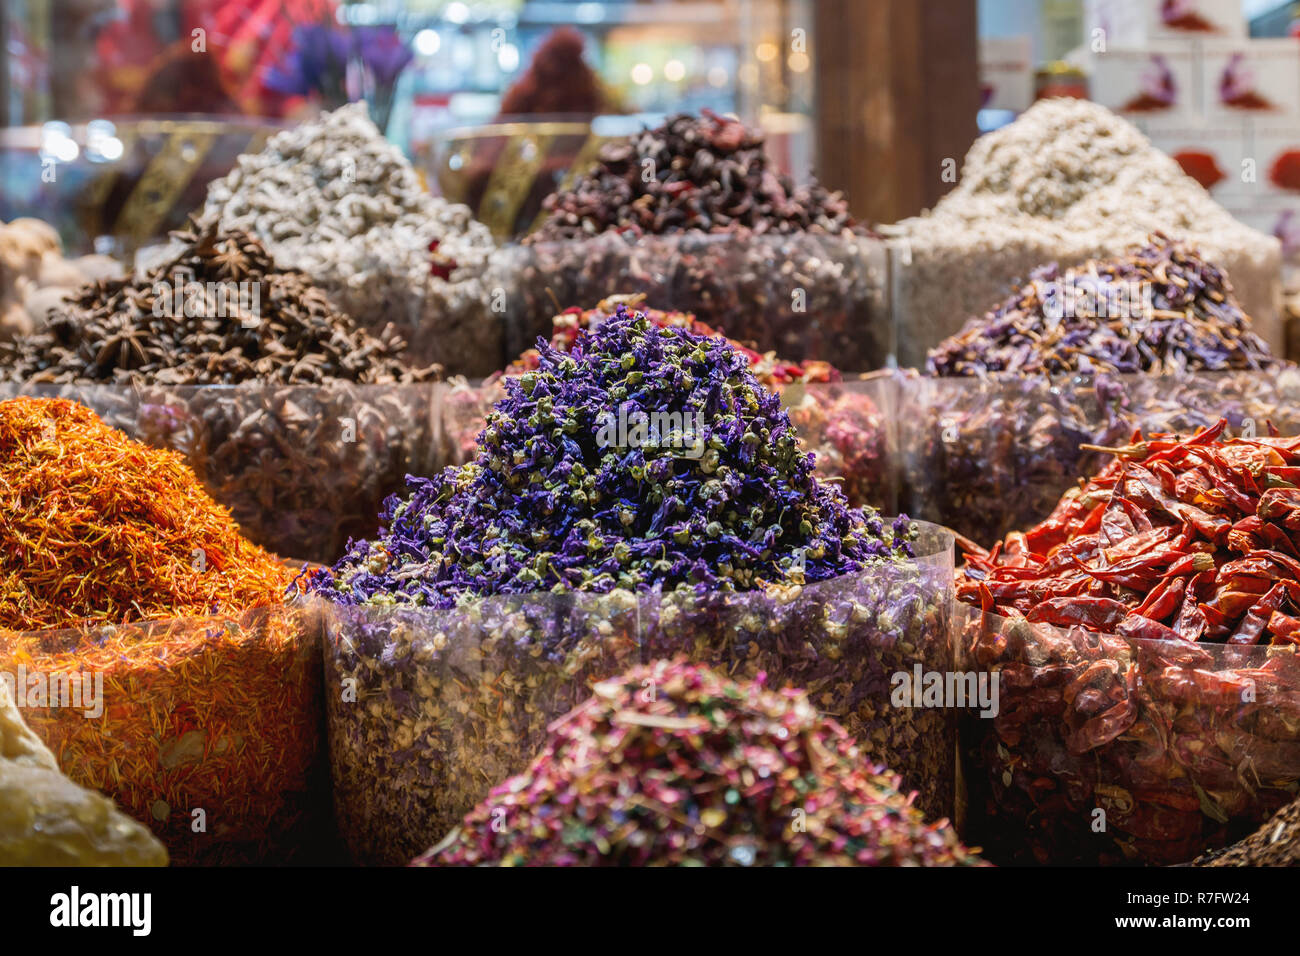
<point>217,313</point>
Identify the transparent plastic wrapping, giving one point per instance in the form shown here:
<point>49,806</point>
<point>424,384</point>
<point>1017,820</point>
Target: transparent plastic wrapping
<point>848,425</point>
<point>1109,750</point>
<point>464,408</point>
<point>802,296</point>
<point>207,730</point>
<point>302,469</point>
<point>989,456</point>
<point>428,710</point>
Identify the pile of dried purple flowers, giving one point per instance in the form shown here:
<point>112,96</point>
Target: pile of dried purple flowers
<point>673,764</point>
<point>644,457</point>
<point>1161,308</point>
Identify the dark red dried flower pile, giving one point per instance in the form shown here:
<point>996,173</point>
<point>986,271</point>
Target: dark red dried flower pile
<point>707,173</point>
<point>673,764</point>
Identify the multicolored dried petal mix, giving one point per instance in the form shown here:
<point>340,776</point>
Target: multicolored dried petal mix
<point>674,764</point>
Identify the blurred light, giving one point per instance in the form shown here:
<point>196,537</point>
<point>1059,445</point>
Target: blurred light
<point>102,144</point>
<point>798,62</point>
<point>766,51</point>
<point>456,12</point>
<point>462,52</point>
<point>427,42</point>
<point>109,150</point>
<point>748,74</point>
<point>589,12</point>
<point>363,14</point>
<point>57,143</point>
<point>642,74</point>
<point>718,76</point>
<point>674,71</point>
<point>508,57</point>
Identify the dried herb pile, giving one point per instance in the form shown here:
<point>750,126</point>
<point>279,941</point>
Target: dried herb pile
<point>1153,340</point>
<point>335,199</point>
<point>97,531</point>
<point>767,368</point>
<point>97,527</point>
<point>673,764</point>
<point>843,427</point>
<point>1276,843</point>
<point>1067,181</point>
<point>500,592</point>
<point>546,507</point>
<point>135,331</point>
<point>694,213</point>
<point>1085,318</point>
<point>707,173</point>
<point>1148,655</point>
<point>306,450</point>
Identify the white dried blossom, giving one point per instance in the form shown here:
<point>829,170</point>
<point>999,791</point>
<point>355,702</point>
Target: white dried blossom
<point>335,199</point>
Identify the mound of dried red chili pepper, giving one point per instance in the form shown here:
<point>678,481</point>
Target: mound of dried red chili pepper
<point>1145,636</point>
<point>1192,539</point>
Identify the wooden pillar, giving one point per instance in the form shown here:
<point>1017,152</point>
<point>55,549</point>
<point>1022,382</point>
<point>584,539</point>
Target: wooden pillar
<point>897,93</point>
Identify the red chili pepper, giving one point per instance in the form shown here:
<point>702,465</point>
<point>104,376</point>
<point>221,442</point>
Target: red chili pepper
<point>1251,628</point>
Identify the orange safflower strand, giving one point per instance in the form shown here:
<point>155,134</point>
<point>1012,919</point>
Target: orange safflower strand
<point>96,527</point>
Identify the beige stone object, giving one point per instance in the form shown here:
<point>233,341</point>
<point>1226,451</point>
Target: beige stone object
<point>47,820</point>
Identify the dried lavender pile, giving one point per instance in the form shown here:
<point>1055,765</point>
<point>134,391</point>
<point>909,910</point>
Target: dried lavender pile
<point>499,592</point>
<point>336,200</point>
<point>1160,308</point>
<point>1068,180</point>
<point>724,499</point>
<point>1154,339</point>
<point>674,765</point>
<point>694,213</point>
<point>327,420</point>
<point>841,423</point>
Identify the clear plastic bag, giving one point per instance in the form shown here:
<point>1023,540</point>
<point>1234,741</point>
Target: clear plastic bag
<point>302,469</point>
<point>851,428</point>
<point>427,710</point>
<point>207,730</point>
<point>802,296</point>
<point>1112,750</point>
<point>989,456</point>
